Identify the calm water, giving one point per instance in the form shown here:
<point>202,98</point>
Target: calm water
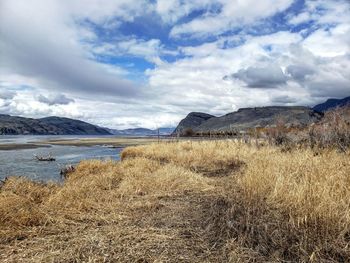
<point>23,163</point>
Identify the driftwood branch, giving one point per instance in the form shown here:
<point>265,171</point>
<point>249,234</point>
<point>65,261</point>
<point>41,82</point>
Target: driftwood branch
<point>48,158</point>
<point>67,170</point>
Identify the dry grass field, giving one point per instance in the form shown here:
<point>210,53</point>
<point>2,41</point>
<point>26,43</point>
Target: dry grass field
<point>210,201</point>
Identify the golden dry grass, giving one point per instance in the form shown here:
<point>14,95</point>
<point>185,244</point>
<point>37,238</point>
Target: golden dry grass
<point>212,201</point>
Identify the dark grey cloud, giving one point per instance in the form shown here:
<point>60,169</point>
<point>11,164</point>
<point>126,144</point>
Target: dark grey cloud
<point>264,77</point>
<point>40,46</point>
<point>299,72</point>
<point>318,77</point>
<point>329,88</point>
<point>59,99</point>
<point>66,72</point>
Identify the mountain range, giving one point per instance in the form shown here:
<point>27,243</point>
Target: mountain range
<point>141,132</point>
<point>246,118</point>
<point>14,125</point>
<point>195,121</point>
<point>332,103</point>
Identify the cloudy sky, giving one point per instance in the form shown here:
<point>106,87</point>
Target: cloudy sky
<point>139,63</point>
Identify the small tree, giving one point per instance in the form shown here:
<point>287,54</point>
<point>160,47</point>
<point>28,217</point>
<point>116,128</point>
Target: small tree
<point>188,132</point>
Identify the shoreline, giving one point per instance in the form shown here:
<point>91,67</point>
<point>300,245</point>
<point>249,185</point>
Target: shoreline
<point>116,142</point>
<point>112,142</point>
<point>22,146</point>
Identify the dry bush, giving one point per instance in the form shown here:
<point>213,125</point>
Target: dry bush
<point>278,135</point>
<point>160,205</point>
<point>188,132</point>
<point>333,131</point>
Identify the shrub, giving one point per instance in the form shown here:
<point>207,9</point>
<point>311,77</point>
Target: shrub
<point>188,132</point>
<point>333,131</point>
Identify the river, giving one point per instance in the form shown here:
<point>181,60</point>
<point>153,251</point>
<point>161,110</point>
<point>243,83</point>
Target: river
<point>21,162</point>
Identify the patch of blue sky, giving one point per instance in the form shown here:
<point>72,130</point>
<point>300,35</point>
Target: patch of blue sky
<point>277,22</point>
<point>296,7</point>
<point>228,44</point>
<point>146,28</point>
<point>103,32</point>
<point>172,59</point>
<point>268,48</point>
<point>307,28</point>
<point>128,62</point>
<point>188,39</point>
<point>213,9</point>
<point>134,66</point>
<point>151,26</point>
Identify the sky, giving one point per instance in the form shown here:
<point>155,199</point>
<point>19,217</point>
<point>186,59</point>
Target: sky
<point>148,63</point>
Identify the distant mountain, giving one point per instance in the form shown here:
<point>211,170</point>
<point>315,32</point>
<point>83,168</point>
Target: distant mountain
<point>246,118</point>
<point>14,125</point>
<point>332,103</point>
<point>192,120</point>
<point>166,131</point>
<point>142,132</point>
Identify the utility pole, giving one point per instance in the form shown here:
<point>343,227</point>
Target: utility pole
<point>158,135</point>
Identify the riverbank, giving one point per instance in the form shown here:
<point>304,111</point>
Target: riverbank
<point>106,141</point>
<point>116,142</point>
<point>17,153</point>
<point>209,201</point>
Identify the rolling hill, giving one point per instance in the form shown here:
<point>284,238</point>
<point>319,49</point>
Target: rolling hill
<point>14,125</point>
<point>246,118</point>
<point>331,104</point>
